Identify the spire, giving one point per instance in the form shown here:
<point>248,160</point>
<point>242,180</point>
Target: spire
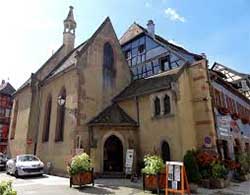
<point>69,30</point>
<point>69,22</point>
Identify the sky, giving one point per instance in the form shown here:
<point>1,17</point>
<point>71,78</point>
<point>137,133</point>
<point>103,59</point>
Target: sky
<point>31,30</point>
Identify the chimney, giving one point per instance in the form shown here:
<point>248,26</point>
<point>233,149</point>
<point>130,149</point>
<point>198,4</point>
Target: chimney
<point>151,28</point>
<point>3,82</point>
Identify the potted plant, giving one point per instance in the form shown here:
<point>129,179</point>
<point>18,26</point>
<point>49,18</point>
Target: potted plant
<point>219,177</point>
<point>242,173</point>
<point>205,160</point>
<point>80,170</point>
<point>192,169</point>
<point>154,175</point>
<point>6,188</point>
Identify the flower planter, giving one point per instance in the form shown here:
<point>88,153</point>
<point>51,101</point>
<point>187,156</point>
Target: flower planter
<point>82,178</point>
<point>245,120</point>
<point>205,183</point>
<point>193,188</point>
<point>235,116</point>
<point>154,182</point>
<point>219,183</point>
<point>223,110</point>
<point>244,177</point>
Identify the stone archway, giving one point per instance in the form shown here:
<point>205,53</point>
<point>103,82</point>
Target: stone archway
<point>113,154</point>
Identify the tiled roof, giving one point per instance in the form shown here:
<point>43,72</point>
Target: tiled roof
<point>67,61</point>
<point>145,86</point>
<point>70,59</point>
<point>113,115</point>
<point>7,89</point>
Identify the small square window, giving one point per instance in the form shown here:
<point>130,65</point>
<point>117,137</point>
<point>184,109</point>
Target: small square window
<point>128,54</point>
<point>141,49</point>
<point>165,63</point>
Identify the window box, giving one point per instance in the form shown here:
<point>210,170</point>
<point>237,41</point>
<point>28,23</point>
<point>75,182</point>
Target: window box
<point>223,110</point>
<point>235,116</point>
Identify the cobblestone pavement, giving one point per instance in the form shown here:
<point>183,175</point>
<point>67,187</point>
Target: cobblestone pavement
<point>51,185</point>
<point>234,189</point>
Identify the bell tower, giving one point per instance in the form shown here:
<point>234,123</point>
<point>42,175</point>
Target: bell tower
<point>69,31</point>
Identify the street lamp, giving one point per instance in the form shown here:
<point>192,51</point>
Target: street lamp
<point>61,100</point>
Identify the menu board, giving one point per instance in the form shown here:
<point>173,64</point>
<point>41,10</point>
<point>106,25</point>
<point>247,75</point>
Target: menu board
<point>174,174</point>
<point>129,161</point>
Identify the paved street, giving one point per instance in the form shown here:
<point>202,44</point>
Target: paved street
<point>51,185</point>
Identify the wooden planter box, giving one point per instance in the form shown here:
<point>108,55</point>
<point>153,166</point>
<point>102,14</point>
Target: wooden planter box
<point>219,183</point>
<point>205,183</point>
<point>154,182</point>
<point>82,178</point>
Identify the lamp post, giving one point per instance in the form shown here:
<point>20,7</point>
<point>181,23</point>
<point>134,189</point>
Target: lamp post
<point>61,100</point>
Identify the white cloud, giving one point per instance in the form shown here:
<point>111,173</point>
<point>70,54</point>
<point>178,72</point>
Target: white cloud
<point>173,15</point>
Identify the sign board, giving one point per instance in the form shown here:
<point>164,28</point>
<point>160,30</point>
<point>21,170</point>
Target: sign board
<point>176,178</point>
<point>223,125</point>
<point>129,161</point>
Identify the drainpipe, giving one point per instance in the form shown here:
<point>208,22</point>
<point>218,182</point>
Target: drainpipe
<point>38,117</point>
<point>212,104</point>
<point>137,110</point>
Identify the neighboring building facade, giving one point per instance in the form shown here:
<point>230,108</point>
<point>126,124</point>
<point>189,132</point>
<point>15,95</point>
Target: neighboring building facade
<point>230,90</point>
<point>6,91</point>
<point>105,97</point>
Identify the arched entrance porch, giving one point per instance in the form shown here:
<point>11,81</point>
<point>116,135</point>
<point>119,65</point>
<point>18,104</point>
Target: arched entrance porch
<point>113,155</point>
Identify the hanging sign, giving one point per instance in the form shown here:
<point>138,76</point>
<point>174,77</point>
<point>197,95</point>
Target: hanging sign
<point>129,161</point>
<point>177,182</point>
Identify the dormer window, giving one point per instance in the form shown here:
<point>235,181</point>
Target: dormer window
<point>165,64</point>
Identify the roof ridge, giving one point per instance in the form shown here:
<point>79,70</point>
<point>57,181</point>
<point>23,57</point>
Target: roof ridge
<point>64,59</point>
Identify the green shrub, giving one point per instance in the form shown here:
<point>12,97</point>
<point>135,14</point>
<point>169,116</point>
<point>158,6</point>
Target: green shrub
<point>153,164</point>
<point>219,171</point>
<point>244,160</point>
<point>6,188</point>
<point>80,163</point>
<point>191,166</point>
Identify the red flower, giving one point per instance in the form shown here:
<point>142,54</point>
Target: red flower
<point>206,158</point>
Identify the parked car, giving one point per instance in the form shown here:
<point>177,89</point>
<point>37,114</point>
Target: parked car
<point>3,161</point>
<point>24,165</point>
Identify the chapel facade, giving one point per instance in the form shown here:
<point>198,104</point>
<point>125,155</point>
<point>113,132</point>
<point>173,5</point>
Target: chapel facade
<point>106,96</point>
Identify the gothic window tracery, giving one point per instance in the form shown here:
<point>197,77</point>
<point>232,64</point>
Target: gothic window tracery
<point>108,66</point>
<point>157,106</point>
<point>60,115</point>
<point>47,118</point>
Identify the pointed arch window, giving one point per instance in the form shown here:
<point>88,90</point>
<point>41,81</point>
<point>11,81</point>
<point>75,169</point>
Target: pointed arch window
<point>61,102</point>
<point>14,121</point>
<point>167,104</point>
<point>108,65</point>
<point>47,118</point>
<point>157,106</point>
